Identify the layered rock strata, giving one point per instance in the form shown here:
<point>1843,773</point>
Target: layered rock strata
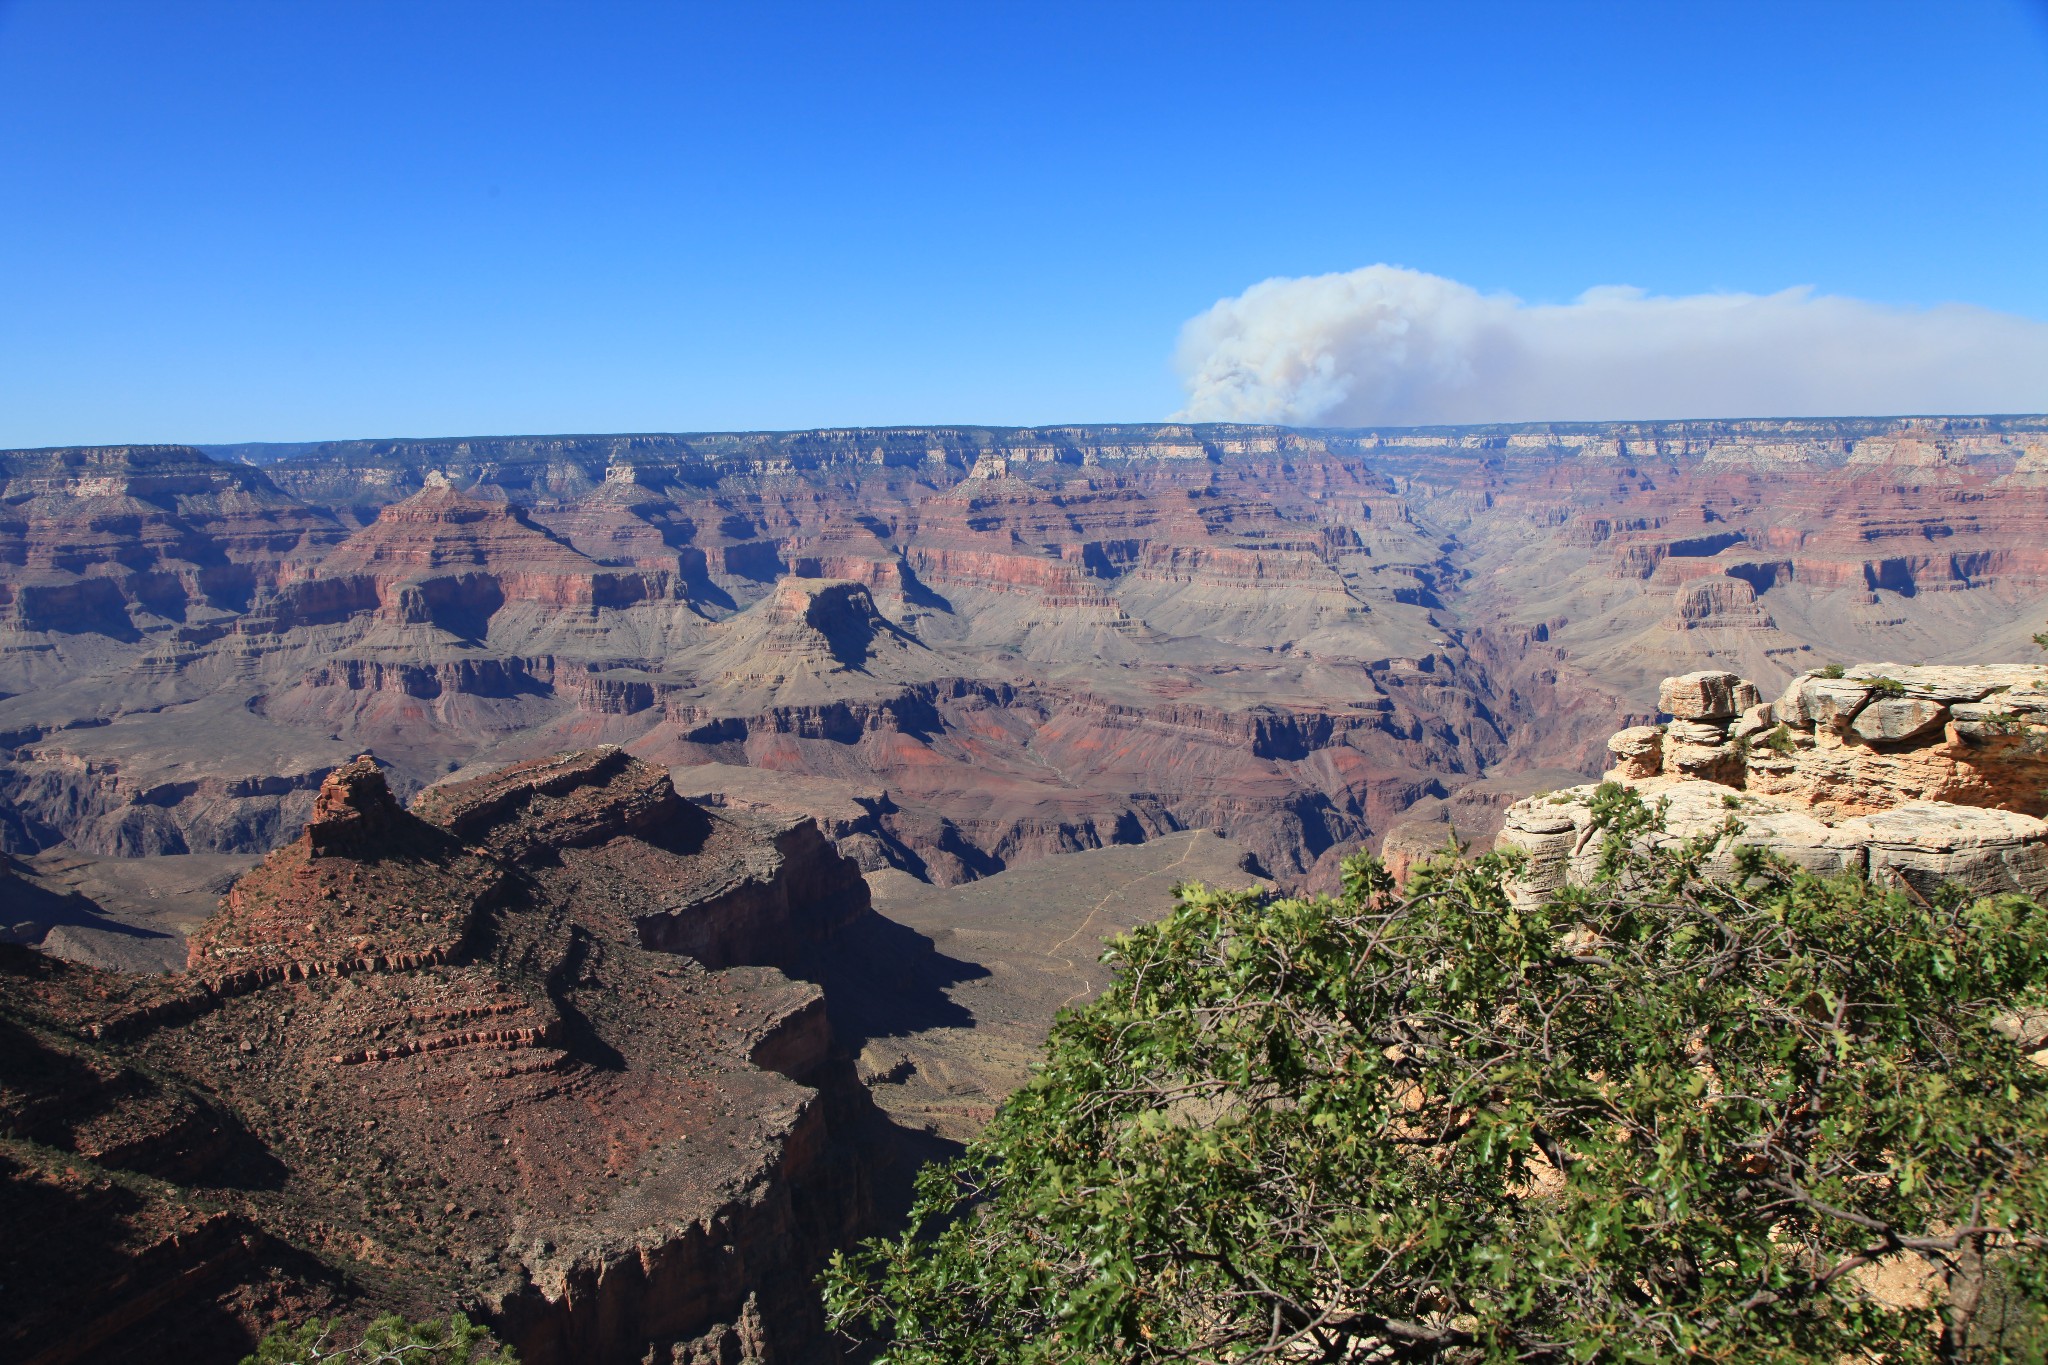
<point>1922,777</point>
<point>419,1063</point>
<point>1023,641</point>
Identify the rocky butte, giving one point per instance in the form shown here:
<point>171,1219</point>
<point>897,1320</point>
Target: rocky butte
<point>452,1056</point>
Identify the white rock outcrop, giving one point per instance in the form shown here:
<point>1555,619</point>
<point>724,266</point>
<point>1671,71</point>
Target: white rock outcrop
<point>1913,776</point>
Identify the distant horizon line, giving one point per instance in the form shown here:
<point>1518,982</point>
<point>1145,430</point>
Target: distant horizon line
<point>1542,424</point>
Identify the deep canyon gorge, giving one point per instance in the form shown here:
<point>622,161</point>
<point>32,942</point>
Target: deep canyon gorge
<point>974,646</point>
<point>572,1001</point>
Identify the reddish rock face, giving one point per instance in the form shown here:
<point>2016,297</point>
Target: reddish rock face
<point>122,540</point>
<point>441,555</point>
<point>1020,641</point>
<point>418,1065</point>
<point>354,807</point>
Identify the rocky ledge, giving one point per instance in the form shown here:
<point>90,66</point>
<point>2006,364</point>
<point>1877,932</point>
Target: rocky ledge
<point>1916,776</point>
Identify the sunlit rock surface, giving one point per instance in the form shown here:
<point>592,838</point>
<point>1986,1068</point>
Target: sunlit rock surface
<point>1915,776</point>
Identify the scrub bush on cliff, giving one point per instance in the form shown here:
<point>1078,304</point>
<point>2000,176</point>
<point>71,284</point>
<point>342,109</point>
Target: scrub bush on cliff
<point>1763,1118</point>
<point>390,1340</point>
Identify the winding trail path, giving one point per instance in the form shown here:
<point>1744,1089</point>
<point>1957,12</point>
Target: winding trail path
<point>1107,897</point>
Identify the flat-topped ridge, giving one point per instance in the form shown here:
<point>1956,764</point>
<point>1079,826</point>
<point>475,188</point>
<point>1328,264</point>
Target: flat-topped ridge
<point>366,886</point>
<point>543,805</point>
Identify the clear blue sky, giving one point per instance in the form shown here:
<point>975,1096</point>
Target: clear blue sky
<point>293,220</point>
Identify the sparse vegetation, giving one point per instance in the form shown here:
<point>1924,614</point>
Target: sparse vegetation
<point>1779,741</point>
<point>2011,1325</point>
<point>1829,671</point>
<point>1662,1116</point>
<point>1886,687</point>
<point>390,1340</point>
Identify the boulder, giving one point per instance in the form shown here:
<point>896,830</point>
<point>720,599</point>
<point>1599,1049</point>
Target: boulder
<point>1790,707</point>
<point>1695,732</point>
<point>1638,752</point>
<point>1833,703</point>
<point>1719,763</point>
<point>1547,830</point>
<point>1753,722</point>
<point>1892,720</point>
<point>1992,722</point>
<point>1923,844</point>
<point>1707,695</point>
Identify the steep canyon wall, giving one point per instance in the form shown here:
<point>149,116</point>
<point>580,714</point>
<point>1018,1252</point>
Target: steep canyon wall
<point>992,644</point>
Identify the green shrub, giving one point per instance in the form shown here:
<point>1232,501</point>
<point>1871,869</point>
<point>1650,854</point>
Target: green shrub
<point>1886,687</point>
<point>1659,1117</point>
<point>1828,671</point>
<point>2011,1324</point>
<point>388,1341</point>
<point>1779,741</point>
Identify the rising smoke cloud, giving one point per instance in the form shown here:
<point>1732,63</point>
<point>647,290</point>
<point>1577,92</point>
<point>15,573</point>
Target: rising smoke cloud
<point>1385,346</point>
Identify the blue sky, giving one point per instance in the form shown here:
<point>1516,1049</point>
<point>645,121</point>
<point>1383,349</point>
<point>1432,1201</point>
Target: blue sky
<point>291,221</point>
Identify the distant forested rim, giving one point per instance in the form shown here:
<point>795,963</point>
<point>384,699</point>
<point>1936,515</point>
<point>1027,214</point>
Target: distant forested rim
<point>1661,1116</point>
<point>961,446</point>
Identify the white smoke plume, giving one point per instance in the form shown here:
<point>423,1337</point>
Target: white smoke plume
<point>1384,346</point>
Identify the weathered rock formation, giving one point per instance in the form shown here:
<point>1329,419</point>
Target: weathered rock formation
<point>1021,641</point>
<point>457,1060</point>
<point>1917,776</point>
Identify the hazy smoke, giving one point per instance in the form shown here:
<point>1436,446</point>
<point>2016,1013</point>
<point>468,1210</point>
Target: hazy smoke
<point>1387,346</point>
